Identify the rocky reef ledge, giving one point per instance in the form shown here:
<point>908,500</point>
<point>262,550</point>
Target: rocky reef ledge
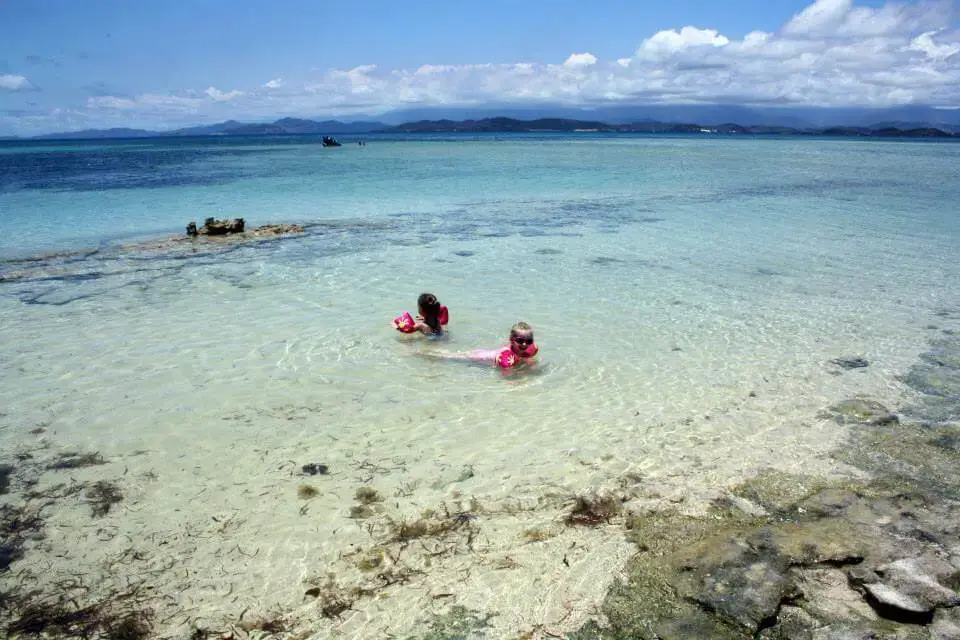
<point>799,557</point>
<point>234,230</point>
<point>214,236</point>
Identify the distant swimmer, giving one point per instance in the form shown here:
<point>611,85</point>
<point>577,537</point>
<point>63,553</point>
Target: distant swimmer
<point>520,351</point>
<point>431,318</point>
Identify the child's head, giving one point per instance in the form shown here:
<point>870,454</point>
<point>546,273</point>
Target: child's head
<point>521,338</point>
<point>428,303</point>
<point>521,329</point>
<point>429,308</point>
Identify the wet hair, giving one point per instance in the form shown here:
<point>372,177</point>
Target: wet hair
<point>521,327</point>
<point>429,307</point>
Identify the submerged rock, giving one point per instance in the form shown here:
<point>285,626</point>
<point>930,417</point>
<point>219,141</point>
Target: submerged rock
<point>850,362</point>
<point>947,441</point>
<point>787,556</point>
<point>860,411</point>
<point>937,376</point>
<point>893,604</point>
<point>315,468</point>
<point>913,584</point>
<point>946,625</point>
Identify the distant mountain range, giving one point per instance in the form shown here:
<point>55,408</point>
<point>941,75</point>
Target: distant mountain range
<point>503,124</point>
<point>705,114</point>
<point>542,125</point>
<point>228,128</point>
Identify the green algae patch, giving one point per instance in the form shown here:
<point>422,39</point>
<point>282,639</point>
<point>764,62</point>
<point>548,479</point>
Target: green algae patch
<point>912,458</point>
<point>649,604</point>
<point>859,411</point>
<point>780,493</point>
<point>733,574</point>
<point>457,623</point>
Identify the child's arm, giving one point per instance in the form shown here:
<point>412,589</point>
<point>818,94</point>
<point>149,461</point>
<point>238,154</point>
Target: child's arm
<point>422,326</point>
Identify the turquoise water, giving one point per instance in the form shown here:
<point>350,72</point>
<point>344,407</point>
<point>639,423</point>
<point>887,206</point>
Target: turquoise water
<point>687,294</point>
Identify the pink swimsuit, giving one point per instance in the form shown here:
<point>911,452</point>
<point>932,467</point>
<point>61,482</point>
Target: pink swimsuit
<point>505,357</point>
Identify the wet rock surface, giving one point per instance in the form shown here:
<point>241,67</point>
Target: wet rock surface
<point>214,227</point>
<point>850,362</point>
<point>790,556</point>
<point>235,230</point>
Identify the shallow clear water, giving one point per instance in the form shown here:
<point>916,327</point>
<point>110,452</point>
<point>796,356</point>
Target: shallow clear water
<point>687,295</point>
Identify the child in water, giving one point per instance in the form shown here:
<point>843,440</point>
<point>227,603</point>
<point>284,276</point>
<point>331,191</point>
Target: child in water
<point>430,320</point>
<point>521,350</point>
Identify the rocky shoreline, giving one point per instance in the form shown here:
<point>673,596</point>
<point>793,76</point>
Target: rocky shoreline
<point>795,557</point>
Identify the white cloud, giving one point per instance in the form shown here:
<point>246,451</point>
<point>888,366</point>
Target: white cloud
<point>924,42</point>
<point>221,96</point>
<point>819,17</point>
<point>832,53</point>
<point>826,18</point>
<point>580,60</point>
<point>110,102</point>
<point>671,41</point>
<point>12,82</point>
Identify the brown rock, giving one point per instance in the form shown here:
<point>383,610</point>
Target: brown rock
<point>213,227</point>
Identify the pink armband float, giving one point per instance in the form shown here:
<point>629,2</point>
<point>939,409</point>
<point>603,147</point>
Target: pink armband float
<point>507,358</point>
<point>405,323</point>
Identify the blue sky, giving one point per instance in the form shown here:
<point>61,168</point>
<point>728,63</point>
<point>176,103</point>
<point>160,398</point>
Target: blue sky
<point>94,63</point>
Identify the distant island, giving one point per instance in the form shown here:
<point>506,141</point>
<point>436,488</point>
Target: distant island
<point>299,126</point>
<point>283,126</point>
<point>546,125</point>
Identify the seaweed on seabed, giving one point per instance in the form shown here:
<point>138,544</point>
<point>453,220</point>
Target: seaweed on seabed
<point>16,525</point>
<point>116,618</point>
<point>101,496</point>
<point>368,495</point>
<point>268,624</point>
<point>365,497</point>
<point>73,460</point>
<point>592,509</point>
<point>307,491</point>
<point>433,524</point>
<point>333,599</point>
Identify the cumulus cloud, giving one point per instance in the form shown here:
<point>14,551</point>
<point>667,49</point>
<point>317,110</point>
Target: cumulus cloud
<point>580,60</point>
<point>223,96</point>
<point>832,53</point>
<point>11,82</point>
<point>671,41</point>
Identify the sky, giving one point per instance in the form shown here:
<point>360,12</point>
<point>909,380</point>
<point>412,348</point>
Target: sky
<point>69,64</point>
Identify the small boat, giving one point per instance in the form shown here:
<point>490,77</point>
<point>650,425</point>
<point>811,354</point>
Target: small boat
<point>330,142</point>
